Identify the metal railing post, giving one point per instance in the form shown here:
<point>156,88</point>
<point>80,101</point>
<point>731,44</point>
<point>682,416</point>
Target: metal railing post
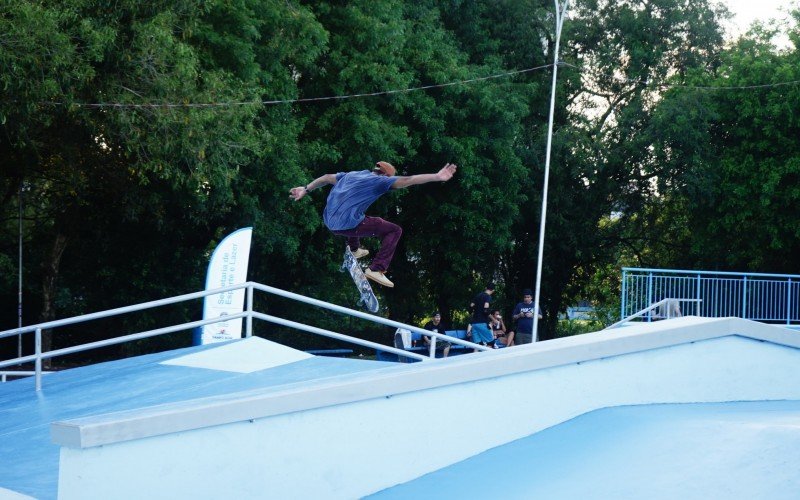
<point>649,293</point>
<point>744,297</point>
<point>38,362</point>
<point>789,302</point>
<point>432,352</point>
<point>624,294</point>
<point>697,296</point>
<point>249,322</point>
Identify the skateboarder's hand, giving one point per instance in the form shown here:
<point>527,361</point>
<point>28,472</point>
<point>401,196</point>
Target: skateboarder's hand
<point>446,173</point>
<point>297,193</point>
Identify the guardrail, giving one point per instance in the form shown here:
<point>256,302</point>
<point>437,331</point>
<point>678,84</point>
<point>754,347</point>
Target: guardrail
<point>665,309</point>
<point>770,298</point>
<point>248,314</point>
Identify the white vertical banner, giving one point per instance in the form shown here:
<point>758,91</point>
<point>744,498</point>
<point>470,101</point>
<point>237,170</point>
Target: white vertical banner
<point>227,266</point>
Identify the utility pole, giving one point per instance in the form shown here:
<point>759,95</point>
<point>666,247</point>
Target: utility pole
<point>561,10</point>
<point>19,297</point>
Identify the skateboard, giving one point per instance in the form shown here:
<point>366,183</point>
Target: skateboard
<point>368,299</point>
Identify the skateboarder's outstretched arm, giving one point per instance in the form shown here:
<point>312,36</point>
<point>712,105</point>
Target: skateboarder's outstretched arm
<point>443,175</point>
<point>297,193</point>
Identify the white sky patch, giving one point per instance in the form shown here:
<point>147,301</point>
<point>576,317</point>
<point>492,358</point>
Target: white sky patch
<point>748,11</point>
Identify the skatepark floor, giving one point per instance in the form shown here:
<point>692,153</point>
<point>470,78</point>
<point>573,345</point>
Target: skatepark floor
<point>745,450</point>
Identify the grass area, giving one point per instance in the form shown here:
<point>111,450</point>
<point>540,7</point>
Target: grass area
<point>570,327</point>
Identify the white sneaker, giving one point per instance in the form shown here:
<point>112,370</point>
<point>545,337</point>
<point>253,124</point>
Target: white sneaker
<point>378,277</point>
<point>361,252</point>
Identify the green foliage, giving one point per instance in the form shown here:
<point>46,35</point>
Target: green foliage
<point>125,203</point>
<point>571,327</point>
<point>738,196</point>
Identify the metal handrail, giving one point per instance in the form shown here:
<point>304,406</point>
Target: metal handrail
<point>707,273</point>
<point>363,315</point>
<point>652,307</point>
<point>248,314</point>
<point>121,310</point>
<point>766,297</point>
<point>338,336</point>
<point>4,374</point>
<point>125,338</point>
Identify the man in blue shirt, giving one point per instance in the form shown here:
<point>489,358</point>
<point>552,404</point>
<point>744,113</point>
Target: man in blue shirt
<point>523,313</point>
<point>352,194</point>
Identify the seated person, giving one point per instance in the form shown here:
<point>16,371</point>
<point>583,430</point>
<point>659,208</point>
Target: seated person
<point>502,338</point>
<point>436,325</point>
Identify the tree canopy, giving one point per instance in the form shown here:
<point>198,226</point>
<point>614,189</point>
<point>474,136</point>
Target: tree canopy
<point>136,135</point>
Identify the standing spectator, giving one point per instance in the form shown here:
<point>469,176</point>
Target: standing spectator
<point>502,337</point>
<point>481,334</point>
<point>436,325</point>
<point>523,314</point>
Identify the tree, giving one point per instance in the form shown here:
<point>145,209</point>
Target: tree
<point>739,195</point>
<point>603,158</point>
<point>122,190</point>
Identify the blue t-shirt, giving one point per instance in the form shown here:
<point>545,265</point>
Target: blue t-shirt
<point>524,324</point>
<point>350,197</point>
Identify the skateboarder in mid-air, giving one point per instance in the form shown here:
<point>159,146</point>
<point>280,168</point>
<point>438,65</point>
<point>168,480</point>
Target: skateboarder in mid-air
<point>352,194</point>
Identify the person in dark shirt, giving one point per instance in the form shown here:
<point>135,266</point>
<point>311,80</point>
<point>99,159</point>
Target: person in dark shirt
<point>523,314</point>
<point>436,325</point>
<point>352,194</point>
<point>481,333</point>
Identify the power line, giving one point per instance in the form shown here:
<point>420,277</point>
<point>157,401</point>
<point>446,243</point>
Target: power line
<point>742,87</point>
<point>272,102</point>
<point>683,86</point>
<point>295,101</point>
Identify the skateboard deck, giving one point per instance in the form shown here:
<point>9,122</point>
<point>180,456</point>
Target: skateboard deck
<point>350,264</point>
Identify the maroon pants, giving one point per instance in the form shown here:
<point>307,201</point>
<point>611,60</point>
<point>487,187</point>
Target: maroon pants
<point>375,226</point>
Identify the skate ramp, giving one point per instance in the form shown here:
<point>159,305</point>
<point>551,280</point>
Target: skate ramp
<point>355,434</point>
<point>31,459</point>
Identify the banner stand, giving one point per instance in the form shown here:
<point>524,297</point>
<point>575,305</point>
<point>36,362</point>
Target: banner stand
<point>227,266</point>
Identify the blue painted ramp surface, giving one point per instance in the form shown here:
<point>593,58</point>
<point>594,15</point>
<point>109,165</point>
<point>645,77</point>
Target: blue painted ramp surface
<point>30,459</point>
<point>747,450</point>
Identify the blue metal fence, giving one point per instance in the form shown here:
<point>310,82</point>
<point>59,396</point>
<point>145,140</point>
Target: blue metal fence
<point>770,298</point>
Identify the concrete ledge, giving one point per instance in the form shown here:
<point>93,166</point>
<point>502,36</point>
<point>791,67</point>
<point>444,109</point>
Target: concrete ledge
<point>250,405</point>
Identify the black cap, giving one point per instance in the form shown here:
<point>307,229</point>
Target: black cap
<point>527,291</point>
<point>490,286</point>
<point>436,313</point>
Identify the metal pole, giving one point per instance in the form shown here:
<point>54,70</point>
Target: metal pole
<point>249,323</point>
<point>559,22</point>
<point>38,362</point>
<point>744,298</point>
<point>19,298</point>
<point>623,301</point>
<point>650,295</point>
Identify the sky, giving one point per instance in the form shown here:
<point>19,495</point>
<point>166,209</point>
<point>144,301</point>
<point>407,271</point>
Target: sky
<point>747,11</point>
